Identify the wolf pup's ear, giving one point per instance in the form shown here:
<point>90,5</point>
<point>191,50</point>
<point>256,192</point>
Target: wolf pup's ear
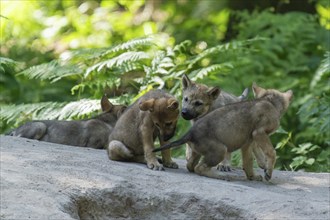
<point>257,91</point>
<point>288,95</point>
<point>185,81</point>
<point>147,105</point>
<point>106,105</point>
<point>172,104</point>
<point>214,92</point>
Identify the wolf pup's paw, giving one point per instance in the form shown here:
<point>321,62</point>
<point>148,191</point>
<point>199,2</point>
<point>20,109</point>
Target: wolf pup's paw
<point>224,168</point>
<point>255,178</point>
<point>171,164</point>
<point>268,174</point>
<point>155,166</point>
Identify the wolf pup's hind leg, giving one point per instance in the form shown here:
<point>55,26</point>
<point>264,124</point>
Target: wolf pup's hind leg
<point>247,158</point>
<point>31,130</point>
<point>212,157</point>
<point>193,159</point>
<point>262,140</point>
<point>259,155</point>
<point>118,151</point>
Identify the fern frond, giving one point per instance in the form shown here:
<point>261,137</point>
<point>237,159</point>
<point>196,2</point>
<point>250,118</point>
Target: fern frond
<point>223,48</point>
<point>52,71</point>
<point>23,112</point>
<point>128,67</point>
<point>95,53</point>
<point>78,108</point>
<point>160,64</point>
<point>86,54</point>
<point>127,57</point>
<point>201,73</point>
<point>323,69</point>
<point>9,63</point>
<point>49,110</point>
<point>111,82</point>
<point>130,45</point>
<point>182,47</point>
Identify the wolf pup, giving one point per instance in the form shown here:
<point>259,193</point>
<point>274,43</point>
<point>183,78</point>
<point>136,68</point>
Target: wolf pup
<point>198,100</point>
<point>91,133</point>
<point>234,126</point>
<point>153,115</point>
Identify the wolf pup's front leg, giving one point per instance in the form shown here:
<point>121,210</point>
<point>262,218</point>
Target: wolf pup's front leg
<point>148,145</point>
<point>166,157</point>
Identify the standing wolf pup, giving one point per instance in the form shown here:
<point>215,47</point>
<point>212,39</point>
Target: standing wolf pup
<point>153,115</point>
<point>235,126</point>
<point>92,132</point>
<point>199,100</point>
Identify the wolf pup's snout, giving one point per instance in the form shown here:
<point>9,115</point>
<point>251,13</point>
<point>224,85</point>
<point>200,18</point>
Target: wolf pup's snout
<point>186,115</point>
<point>168,136</point>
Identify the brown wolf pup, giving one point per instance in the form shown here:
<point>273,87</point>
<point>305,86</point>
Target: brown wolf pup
<point>198,100</point>
<point>91,133</point>
<point>235,126</point>
<point>153,115</point>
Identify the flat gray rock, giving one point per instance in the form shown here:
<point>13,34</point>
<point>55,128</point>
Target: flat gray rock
<point>42,180</point>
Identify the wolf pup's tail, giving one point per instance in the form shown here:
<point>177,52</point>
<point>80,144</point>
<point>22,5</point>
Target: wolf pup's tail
<point>176,143</point>
<point>244,94</point>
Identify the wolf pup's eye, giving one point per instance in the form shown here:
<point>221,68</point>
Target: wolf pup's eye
<point>185,99</point>
<point>198,103</point>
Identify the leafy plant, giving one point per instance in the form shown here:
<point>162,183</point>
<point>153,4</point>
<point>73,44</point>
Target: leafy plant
<point>135,66</point>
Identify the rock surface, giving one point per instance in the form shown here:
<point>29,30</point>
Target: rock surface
<point>42,180</point>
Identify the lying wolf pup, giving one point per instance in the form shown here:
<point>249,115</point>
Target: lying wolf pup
<point>92,132</point>
<point>233,126</point>
<point>153,115</point>
<point>198,100</point>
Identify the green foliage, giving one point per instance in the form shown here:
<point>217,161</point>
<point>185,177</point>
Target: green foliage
<point>52,71</point>
<point>310,157</point>
<point>314,114</point>
<point>137,66</point>
<point>292,60</point>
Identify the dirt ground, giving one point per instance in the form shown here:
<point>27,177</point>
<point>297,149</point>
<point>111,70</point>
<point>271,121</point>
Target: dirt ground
<point>42,180</point>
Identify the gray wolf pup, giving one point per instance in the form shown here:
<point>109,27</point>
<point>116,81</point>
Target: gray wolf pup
<point>235,126</point>
<point>198,100</point>
<point>93,132</point>
<point>155,114</point>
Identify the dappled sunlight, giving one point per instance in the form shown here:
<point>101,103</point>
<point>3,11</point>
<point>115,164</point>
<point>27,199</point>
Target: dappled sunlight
<point>313,181</point>
<point>88,183</point>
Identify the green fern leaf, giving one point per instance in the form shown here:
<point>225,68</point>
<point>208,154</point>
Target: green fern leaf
<point>99,53</point>
<point>52,71</point>
<point>9,63</point>
<point>21,113</point>
<point>201,73</point>
<point>322,70</point>
<point>182,47</point>
<point>223,48</point>
<point>127,57</point>
<point>24,112</point>
<point>130,45</point>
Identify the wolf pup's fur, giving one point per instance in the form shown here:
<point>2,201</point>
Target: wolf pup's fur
<point>234,126</point>
<point>93,133</point>
<point>198,100</point>
<point>153,115</point>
